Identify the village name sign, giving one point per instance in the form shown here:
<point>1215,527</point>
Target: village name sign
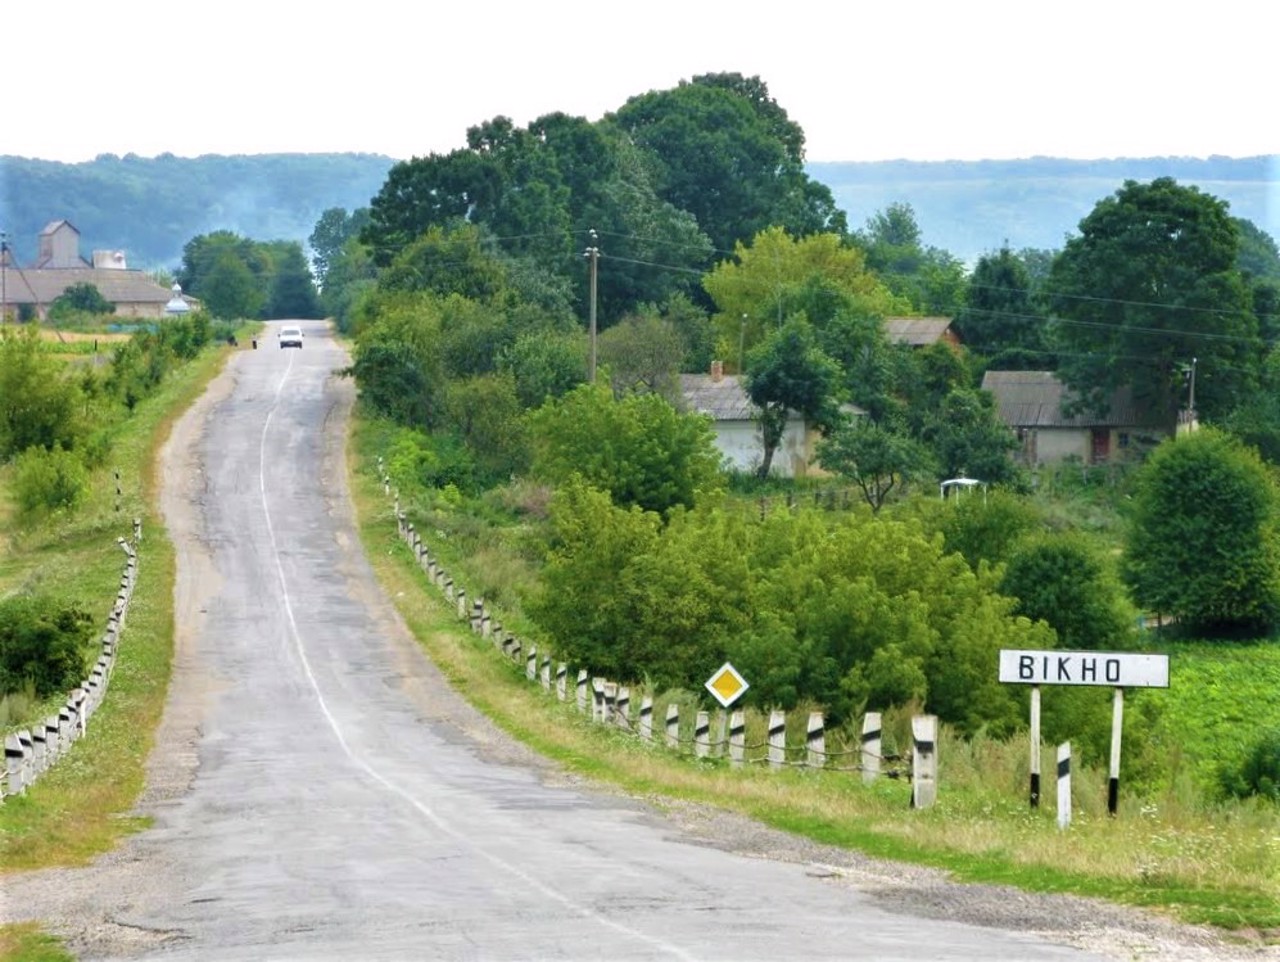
<point>1114,669</point>
<point>1110,669</point>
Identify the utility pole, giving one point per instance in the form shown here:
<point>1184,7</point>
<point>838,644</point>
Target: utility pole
<point>4,277</point>
<point>592,254</point>
<point>1192,401</point>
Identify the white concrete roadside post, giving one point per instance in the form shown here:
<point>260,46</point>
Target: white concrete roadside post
<point>924,760</point>
<point>870,747</point>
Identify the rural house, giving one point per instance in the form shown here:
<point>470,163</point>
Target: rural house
<point>30,290</point>
<point>920,331</point>
<point>1032,404</point>
<point>737,432</point>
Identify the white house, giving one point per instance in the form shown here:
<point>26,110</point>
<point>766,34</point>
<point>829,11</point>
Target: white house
<point>723,398</point>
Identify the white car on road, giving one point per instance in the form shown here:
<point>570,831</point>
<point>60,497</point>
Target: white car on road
<point>290,337</point>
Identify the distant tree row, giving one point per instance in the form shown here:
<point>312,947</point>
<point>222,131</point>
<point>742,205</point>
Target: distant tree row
<point>236,277</point>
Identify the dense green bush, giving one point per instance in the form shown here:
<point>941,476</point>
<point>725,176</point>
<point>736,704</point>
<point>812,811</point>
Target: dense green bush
<point>1203,540</point>
<point>638,448</point>
<point>46,481</point>
<point>43,643</point>
<point>1064,580</point>
<point>848,611</point>
<point>1258,773</point>
<point>40,406</point>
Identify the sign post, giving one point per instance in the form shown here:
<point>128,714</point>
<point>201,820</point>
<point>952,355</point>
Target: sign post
<point>1035,746</point>
<point>1118,670</point>
<point>726,687</point>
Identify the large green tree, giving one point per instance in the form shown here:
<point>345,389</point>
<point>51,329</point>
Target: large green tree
<point>1000,319</point>
<point>1150,283</point>
<point>788,371</point>
<point>328,239</point>
<point>292,292</point>
<point>1202,542</point>
<point>875,457</point>
<point>538,192</point>
<point>725,152</point>
<point>930,279</point>
<point>778,274</point>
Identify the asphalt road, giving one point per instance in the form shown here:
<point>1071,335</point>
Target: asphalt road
<point>340,802</point>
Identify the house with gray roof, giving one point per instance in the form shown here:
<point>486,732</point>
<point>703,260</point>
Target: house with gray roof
<point>1035,405</point>
<point>30,290</point>
<point>920,331</point>
<point>724,399</point>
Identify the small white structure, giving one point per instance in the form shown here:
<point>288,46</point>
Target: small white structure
<point>954,486</point>
<point>177,305</point>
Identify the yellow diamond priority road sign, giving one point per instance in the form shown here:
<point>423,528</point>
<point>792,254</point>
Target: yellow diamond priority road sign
<point>726,685</point>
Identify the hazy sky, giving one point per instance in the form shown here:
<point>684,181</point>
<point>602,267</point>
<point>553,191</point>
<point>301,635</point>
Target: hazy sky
<point>964,79</point>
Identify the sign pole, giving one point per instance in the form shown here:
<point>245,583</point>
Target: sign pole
<point>1035,746</point>
<point>1117,723</point>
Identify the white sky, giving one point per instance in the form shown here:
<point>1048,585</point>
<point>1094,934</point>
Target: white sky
<point>870,80</point>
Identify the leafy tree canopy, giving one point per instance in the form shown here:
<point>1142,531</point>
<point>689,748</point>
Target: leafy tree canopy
<point>1000,316</point>
<point>1202,542</point>
<point>779,274</point>
<point>788,371</point>
<point>1151,282</point>
<point>726,153</point>
<point>638,448</point>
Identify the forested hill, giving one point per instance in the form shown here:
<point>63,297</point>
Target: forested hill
<point>150,207</point>
<point>971,207</point>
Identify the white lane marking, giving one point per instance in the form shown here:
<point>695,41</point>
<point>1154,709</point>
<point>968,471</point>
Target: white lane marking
<point>364,766</point>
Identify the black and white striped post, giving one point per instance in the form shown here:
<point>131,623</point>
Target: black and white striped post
<point>924,761</point>
<point>1035,746</point>
<point>673,726</point>
<point>1064,784</point>
<point>1113,774</point>
<point>531,664</point>
<point>597,699</point>
<point>737,739</point>
<point>581,689</point>
<point>562,681</point>
<point>545,672</point>
<point>646,718</point>
<point>622,708</point>
<point>870,747</point>
<point>610,702</point>
<point>777,739</point>
<point>816,741</point>
<point>702,735</point>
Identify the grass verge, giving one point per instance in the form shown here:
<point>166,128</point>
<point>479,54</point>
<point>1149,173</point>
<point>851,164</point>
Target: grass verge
<point>1216,867</point>
<point>79,809</point>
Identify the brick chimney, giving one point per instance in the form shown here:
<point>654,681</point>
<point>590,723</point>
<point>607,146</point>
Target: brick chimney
<point>717,371</point>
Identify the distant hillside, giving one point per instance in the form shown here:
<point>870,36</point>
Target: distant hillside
<point>150,207</point>
<point>969,208</point>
